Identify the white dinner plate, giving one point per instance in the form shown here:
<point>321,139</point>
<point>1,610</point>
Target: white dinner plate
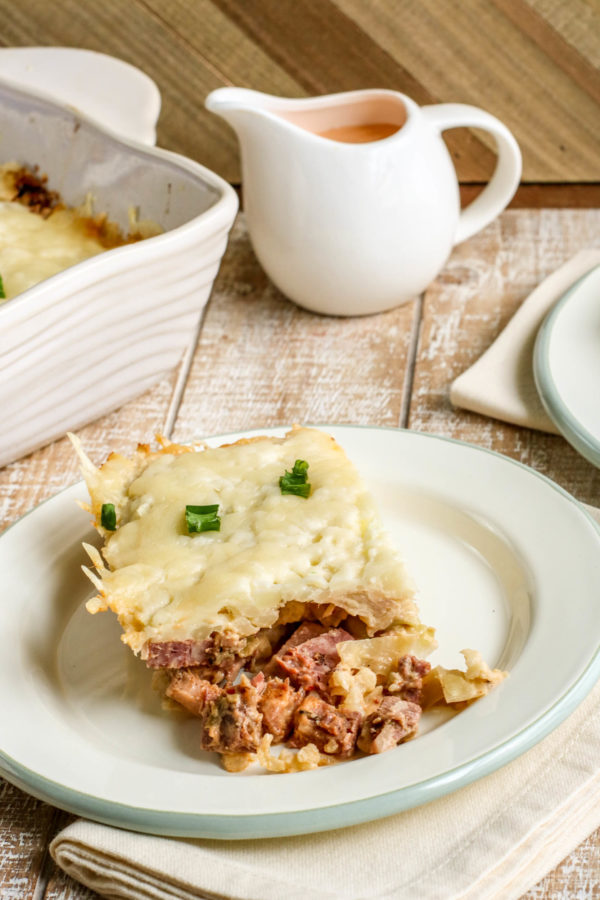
<point>506,561</point>
<point>567,365</point>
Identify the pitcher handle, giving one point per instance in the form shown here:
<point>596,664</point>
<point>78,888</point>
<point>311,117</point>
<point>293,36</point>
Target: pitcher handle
<point>499,191</point>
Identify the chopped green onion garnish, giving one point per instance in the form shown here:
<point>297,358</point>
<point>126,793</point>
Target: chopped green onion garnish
<point>301,490</point>
<point>202,518</point>
<point>2,291</point>
<point>300,468</point>
<point>108,517</point>
<point>295,482</point>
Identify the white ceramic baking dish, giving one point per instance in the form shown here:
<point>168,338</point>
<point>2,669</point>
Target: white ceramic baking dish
<point>85,341</point>
<point>108,90</point>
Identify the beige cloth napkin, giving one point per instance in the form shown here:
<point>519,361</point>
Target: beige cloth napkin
<point>501,384</point>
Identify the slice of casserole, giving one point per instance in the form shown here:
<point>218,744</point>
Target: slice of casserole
<point>257,577</point>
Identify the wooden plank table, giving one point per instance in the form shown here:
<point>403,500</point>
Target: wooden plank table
<point>261,361</point>
<point>532,63</point>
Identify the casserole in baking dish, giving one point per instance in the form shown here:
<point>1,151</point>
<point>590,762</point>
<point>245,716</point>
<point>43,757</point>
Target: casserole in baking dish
<point>88,339</point>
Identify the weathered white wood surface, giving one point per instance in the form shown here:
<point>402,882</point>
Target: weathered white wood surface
<point>261,361</point>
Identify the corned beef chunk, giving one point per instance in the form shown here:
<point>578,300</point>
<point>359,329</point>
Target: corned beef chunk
<point>408,680</point>
<point>191,691</point>
<point>304,632</point>
<point>309,664</point>
<point>278,703</point>
<point>175,654</point>
<point>332,730</point>
<point>218,655</point>
<point>393,722</point>
<point>233,723</point>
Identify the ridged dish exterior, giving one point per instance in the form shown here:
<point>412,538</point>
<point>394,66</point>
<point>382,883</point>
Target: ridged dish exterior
<point>78,355</point>
<point>87,340</point>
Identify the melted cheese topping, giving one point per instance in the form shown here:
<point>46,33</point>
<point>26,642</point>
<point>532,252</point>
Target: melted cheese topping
<point>33,248</point>
<point>166,584</point>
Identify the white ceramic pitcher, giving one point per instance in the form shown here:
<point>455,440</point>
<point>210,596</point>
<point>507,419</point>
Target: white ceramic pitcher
<point>347,228</point>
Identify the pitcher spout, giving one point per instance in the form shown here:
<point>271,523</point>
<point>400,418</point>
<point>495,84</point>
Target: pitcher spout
<point>226,100</point>
<point>243,109</point>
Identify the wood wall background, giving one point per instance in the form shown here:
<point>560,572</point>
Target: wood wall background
<point>533,63</point>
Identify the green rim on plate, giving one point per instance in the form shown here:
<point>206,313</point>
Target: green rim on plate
<point>572,429</point>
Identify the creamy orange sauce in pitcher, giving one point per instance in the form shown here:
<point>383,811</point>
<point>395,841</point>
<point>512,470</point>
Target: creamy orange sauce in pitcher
<point>360,134</point>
